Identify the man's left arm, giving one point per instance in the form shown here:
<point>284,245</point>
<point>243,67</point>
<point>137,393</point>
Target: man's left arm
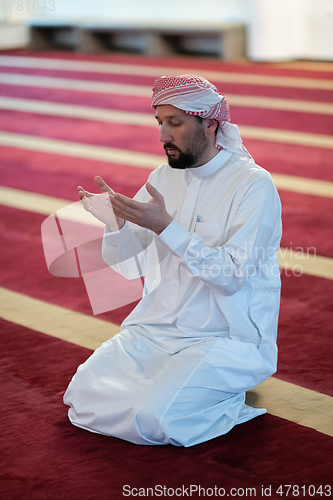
<point>253,238</point>
<point>255,231</point>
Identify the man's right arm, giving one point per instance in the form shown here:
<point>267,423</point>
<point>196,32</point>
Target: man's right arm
<point>125,249</point>
<point>124,245</point>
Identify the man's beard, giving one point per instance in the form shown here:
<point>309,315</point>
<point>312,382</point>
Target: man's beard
<point>192,154</point>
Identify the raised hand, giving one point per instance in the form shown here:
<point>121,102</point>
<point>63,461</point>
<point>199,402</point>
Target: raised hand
<point>151,215</point>
<point>99,205</point>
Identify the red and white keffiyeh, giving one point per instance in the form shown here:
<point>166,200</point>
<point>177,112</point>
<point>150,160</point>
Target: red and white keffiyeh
<point>197,96</point>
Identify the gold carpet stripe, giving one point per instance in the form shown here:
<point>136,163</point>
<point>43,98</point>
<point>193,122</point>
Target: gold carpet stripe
<point>156,71</point>
<point>288,401</point>
<point>292,402</point>
<point>307,65</point>
<point>81,150</point>
<point>146,119</point>
<point>32,202</point>
<point>46,205</point>
<point>56,321</point>
<point>74,111</point>
<point>72,84</point>
<point>303,185</point>
<point>287,136</point>
<point>296,263</point>
<point>278,103</point>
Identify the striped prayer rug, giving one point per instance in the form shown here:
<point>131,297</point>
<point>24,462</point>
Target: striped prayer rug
<point>65,118</point>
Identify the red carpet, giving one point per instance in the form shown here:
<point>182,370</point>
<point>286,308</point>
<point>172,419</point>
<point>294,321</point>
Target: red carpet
<point>46,458</point>
<point>43,456</point>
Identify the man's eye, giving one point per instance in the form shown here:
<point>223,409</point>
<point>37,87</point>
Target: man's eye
<point>175,124</point>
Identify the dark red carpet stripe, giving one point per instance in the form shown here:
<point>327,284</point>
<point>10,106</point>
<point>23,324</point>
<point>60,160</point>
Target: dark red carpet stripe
<point>311,123</point>
<point>307,223</point>
<point>41,361</point>
<point>291,159</point>
<point>305,332</point>
<point>46,458</point>
<point>58,175</point>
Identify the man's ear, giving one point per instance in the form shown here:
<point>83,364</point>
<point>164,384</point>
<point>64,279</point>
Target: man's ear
<point>211,126</point>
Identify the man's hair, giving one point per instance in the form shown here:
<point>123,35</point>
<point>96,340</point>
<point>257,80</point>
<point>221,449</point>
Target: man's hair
<point>200,120</point>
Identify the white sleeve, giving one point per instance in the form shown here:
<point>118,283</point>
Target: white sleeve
<point>254,236</point>
<point>125,250</point>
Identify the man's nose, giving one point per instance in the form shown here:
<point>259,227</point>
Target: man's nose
<point>165,134</point>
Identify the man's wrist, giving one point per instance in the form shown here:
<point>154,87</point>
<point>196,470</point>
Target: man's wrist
<point>163,226</point>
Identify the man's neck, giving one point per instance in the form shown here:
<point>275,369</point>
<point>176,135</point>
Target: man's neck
<point>208,155</point>
<point>216,163</point>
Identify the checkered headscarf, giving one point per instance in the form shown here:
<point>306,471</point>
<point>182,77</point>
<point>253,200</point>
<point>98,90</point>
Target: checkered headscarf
<point>195,95</point>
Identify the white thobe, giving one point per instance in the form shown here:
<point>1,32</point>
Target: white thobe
<point>205,330</point>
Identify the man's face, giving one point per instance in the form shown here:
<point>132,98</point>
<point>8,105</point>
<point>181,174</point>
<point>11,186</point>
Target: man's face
<point>183,136</point>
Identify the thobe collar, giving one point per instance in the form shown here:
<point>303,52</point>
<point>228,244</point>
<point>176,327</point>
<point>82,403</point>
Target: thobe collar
<point>209,168</point>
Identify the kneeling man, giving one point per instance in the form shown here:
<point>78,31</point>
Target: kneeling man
<point>205,231</point>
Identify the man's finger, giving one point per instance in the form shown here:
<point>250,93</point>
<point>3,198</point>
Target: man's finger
<point>102,185</point>
<point>123,207</point>
<point>86,204</point>
<point>82,192</point>
<point>128,202</point>
<point>124,214</point>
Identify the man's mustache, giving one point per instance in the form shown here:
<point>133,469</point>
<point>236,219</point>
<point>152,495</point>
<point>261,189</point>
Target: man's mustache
<point>169,145</point>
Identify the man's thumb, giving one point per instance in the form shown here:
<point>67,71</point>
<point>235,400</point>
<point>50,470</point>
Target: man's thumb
<point>153,192</point>
<point>102,185</point>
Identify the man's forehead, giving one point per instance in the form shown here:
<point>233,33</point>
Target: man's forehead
<point>168,111</point>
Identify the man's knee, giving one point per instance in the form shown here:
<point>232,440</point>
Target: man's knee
<point>148,424</point>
